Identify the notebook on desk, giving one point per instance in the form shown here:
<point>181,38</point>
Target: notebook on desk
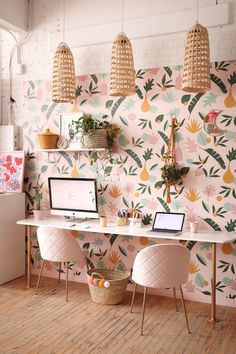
<point>167,223</point>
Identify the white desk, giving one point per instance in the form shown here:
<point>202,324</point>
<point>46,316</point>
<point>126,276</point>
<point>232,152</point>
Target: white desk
<point>212,237</point>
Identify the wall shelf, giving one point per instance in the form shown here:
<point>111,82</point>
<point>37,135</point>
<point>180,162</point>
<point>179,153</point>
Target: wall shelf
<point>71,150</point>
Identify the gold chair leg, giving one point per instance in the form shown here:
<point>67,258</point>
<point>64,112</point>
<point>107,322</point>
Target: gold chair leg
<point>40,273</point>
<point>67,264</point>
<point>176,304</point>
<point>59,276</point>
<point>143,308</point>
<point>184,307</point>
<point>133,296</point>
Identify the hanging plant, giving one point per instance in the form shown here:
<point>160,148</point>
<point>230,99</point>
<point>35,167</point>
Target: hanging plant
<point>172,172</point>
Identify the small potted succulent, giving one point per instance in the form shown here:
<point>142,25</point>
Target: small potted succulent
<point>171,174</point>
<point>38,213</point>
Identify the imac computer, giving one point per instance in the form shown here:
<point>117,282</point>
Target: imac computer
<point>74,198</point>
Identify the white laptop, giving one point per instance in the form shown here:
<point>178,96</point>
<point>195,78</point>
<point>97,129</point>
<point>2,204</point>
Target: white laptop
<point>167,223</point>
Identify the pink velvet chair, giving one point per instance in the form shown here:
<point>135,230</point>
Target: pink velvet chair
<point>161,266</point>
<point>57,245</point>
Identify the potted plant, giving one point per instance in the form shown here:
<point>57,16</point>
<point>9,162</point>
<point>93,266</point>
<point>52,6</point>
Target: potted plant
<point>93,131</point>
<point>38,213</point>
<point>171,174</point>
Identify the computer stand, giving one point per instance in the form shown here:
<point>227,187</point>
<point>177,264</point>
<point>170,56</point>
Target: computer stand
<point>75,220</point>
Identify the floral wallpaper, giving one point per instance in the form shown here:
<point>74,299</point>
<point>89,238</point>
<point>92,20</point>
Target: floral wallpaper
<point>204,142</point>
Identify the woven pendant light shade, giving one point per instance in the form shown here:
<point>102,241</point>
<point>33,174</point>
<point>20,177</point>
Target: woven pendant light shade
<point>63,88</point>
<point>122,76</point>
<point>196,75</point>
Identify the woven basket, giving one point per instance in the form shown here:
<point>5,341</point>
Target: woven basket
<point>122,76</point>
<point>196,75</point>
<point>63,87</point>
<point>96,139</point>
<point>121,221</point>
<point>117,281</point>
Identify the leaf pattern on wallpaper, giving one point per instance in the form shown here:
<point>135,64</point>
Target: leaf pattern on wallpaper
<point>208,191</point>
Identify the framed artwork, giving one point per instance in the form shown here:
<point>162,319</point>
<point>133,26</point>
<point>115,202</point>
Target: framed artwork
<point>11,171</point>
<point>67,130</point>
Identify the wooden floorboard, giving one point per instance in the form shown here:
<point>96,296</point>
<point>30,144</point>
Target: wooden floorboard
<point>47,324</point>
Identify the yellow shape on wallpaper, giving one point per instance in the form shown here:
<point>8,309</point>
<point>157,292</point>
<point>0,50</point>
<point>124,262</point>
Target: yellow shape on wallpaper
<point>194,126</point>
<point>193,267</point>
<point>192,195</point>
<point>115,192</point>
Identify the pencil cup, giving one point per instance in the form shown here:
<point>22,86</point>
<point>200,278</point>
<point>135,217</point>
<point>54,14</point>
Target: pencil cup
<point>103,221</point>
<point>194,226</point>
<point>134,222</point>
<point>121,221</point>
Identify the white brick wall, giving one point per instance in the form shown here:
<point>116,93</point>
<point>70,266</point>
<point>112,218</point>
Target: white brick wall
<point>152,51</point>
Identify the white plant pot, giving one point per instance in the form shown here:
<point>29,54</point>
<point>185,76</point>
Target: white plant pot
<point>38,214</point>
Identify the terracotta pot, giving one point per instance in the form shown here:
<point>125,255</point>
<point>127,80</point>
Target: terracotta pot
<point>48,140</point>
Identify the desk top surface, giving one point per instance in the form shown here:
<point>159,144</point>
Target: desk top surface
<point>93,225</point>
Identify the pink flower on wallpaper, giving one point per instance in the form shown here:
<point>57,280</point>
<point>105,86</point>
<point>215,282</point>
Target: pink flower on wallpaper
<point>103,89</point>
<point>191,146</point>
<point>82,78</point>
<point>233,210</point>
<point>152,204</point>
<point>199,172</point>
<point>112,207</point>
<point>179,154</point>
<point>48,86</point>
<point>190,214</point>
<point>128,188</point>
<point>189,286</point>
<point>132,116</point>
<point>209,190</point>
<point>233,285</point>
<point>39,94</point>
<point>152,139</point>
<point>154,71</point>
<point>178,82</point>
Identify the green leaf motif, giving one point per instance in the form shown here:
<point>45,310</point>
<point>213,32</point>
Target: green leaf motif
<point>194,101</point>
<point>135,157</point>
<point>164,137</point>
<point>164,204</point>
<point>219,83</point>
<point>199,280</point>
<point>206,206</point>
<point>216,156</point>
<point>112,239</point>
<point>122,250</point>
<point>117,105</point>
<point>201,259</point>
<point>212,224</point>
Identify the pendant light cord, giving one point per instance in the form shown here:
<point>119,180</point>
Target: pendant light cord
<point>122,17</point>
<point>197,11</point>
<point>63,24</point>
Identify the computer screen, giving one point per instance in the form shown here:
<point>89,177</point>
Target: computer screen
<point>168,221</point>
<point>73,197</point>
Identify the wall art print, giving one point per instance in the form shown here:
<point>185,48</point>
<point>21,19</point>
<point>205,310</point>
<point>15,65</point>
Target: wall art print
<point>208,192</point>
<point>11,171</point>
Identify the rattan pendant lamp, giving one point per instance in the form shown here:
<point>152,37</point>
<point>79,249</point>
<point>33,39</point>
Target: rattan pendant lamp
<point>63,79</point>
<point>196,73</point>
<point>122,75</point>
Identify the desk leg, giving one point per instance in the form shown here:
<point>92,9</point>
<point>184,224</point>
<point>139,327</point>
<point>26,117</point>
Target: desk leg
<point>28,233</point>
<point>213,285</point>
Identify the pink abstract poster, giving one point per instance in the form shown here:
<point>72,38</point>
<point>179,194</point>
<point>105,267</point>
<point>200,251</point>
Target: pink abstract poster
<point>11,171</point>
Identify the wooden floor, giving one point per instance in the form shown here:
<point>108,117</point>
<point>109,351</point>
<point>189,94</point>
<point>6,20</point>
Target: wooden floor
<point>45,323</point>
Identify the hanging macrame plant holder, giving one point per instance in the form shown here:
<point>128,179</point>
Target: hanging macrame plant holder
<point>63,87</point>
<point>122,76</point>
<point>196,74</point>
<point>171,171</point>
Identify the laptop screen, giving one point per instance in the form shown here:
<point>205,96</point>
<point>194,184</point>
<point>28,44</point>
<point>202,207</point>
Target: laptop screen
<point>168,221</point>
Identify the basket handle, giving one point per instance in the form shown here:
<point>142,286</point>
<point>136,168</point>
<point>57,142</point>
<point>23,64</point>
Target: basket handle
<point>98,274</point>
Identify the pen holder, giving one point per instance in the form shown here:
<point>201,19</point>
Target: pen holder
<point>121,221</point>
<point>134,222</point>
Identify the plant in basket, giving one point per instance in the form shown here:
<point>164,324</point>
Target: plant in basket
<point>38,213</point>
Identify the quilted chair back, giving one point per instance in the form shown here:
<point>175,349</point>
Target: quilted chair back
<point>58,245</point>
<point>162,266</point>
